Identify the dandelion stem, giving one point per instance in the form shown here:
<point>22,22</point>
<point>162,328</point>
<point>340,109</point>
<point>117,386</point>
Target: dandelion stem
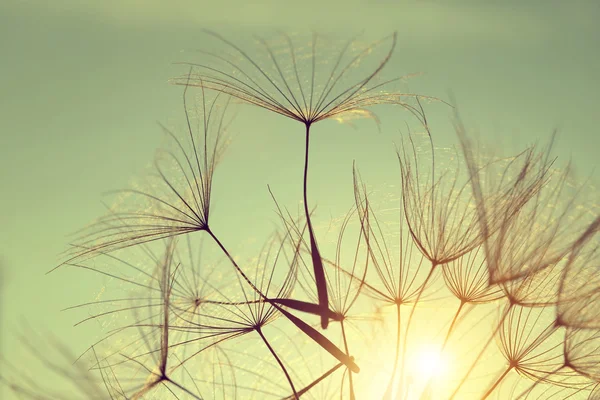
<point>236,266</point>
<point>472,367</point>
<point>352,397</point>
<point>452,325</point>
<point>314,250</point>
<point>450,329</point>
<point>182,388</point>
<point>303,326</point>
<point>412,312</point>
<point>287,375</point>
<point>316,381</point>
<point>390,386</point>
<point>495,385</point>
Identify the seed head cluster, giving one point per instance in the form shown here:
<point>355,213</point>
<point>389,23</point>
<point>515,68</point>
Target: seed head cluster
<point>479,279</point>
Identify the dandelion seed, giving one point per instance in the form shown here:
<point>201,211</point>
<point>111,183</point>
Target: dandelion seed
<point>579,291</point>
<point>530,221</point>
<point>289,85</point>
<point>177,200</point>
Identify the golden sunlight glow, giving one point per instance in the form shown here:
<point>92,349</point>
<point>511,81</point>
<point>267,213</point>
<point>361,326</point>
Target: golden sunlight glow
<point>429,363</point>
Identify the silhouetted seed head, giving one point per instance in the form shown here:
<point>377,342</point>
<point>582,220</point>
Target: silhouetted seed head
<point>579,291</point>
<point>582,352</point>
<point>530,219</point>
<point>398,269</point>
<point>438,206</point>
<point>507,234</point>
<point>307,81</point>
<point>142,334</point>
<point>537,289</point>
<point>75,380</point>
<point>176,198</point>
<point>531,343</point>
<point>154,349</point>
<point>467,278</point>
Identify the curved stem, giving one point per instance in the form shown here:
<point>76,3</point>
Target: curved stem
<point>352,397</point>
<point>495,385</point>
<point>316,381</point>
<point>472,367</point>
<point>236,266</point>
<point>450,329</point>
<point>452,325</point>
<point>318,270</point>
<point>412,311</point>
<point>311,332</point>
<point>183,389</point>
<point>390,386</point>
<point>287,375</point>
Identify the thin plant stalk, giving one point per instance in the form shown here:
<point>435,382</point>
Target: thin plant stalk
<point>497,382</point>
<point>412,312</point>
<point>287,375</point>
<point>452,325</point>
<point>350,382</point>
<point>448,334</point>
<point>303,326</point>
<point>183,389</point>
<point>317,262</point>
<point>316,381</point>
<point>390,386</point>
<point>489,341</point>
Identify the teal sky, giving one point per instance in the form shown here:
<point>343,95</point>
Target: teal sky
<point>83,84</point>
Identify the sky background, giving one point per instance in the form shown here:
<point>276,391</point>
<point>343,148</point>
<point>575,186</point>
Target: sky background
<point>83,85</point>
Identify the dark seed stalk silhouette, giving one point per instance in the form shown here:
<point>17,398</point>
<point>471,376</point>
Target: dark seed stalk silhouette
<point>317,262</point>
<point>302,104</point>
<point>307,329</point>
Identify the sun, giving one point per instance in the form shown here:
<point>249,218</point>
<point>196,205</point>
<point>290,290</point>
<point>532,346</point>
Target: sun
<point>430,363</point>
